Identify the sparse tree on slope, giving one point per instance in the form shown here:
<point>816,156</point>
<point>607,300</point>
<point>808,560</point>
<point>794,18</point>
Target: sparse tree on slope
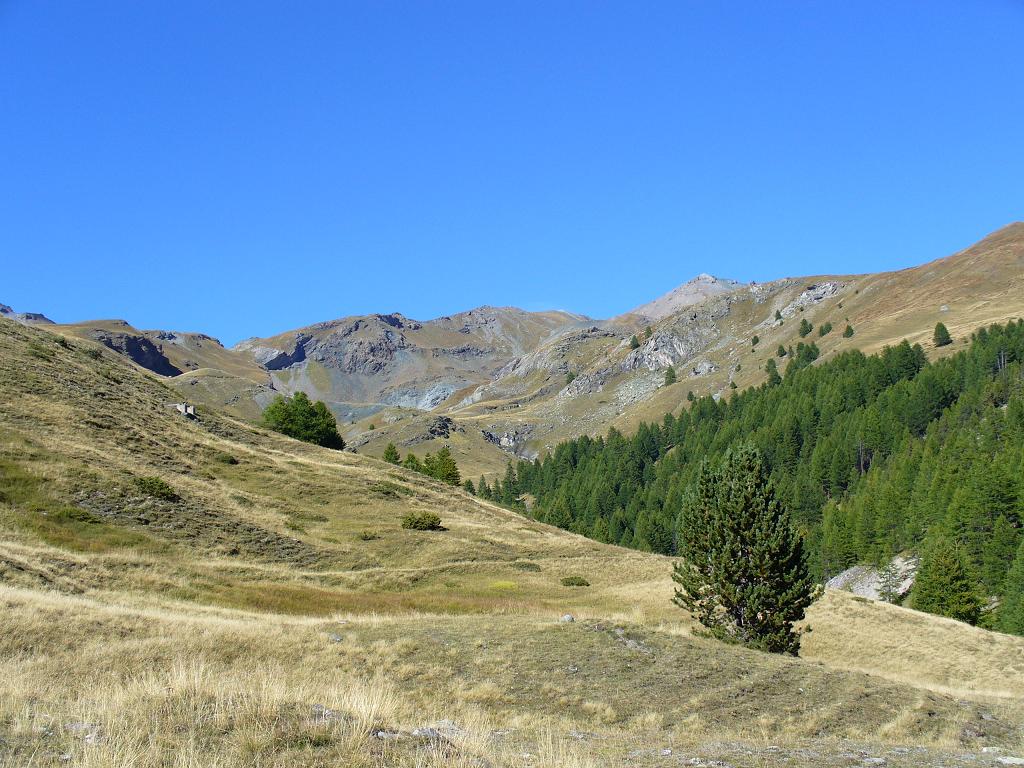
<point>941,336</point>
<point>442,467</point>
<point>744,572</point>
<point>670,376</point>
<point>391,455</point>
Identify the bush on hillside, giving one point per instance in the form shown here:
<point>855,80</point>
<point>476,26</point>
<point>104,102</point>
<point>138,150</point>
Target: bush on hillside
<point>304,420</point>
<point>157,488</point>
<point>422,521</point>
<point>575,581</point>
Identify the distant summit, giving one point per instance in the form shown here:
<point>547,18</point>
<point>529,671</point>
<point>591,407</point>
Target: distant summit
<point>703,286</point>
<point>26,318</point>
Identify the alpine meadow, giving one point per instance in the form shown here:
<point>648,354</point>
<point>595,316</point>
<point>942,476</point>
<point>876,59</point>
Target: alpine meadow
<point>601,385</point>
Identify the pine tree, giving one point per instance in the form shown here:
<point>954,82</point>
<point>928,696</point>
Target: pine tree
<point>648,331</point>
<point>848,331</point>
<point>468,487</point>
<point>778,315</point>
<point>805,328</point>
<point>443,467</point>
<point>941,336</point>
<point>945,584</point>
<point>1011,610</point>
<point>391,455</point>
<point>670,376</point>
<point>744,571</point>
<point>773,372</point>
<point>825,330</point>
<point>634,342</point>
<point>411,462</point>
<point>781,351</point>
<point>755,340</point>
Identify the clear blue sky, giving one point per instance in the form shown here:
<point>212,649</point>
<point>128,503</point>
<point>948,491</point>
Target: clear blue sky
<point>244,168</point>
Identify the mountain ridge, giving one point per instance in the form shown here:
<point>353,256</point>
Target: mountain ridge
<point>516,382</point>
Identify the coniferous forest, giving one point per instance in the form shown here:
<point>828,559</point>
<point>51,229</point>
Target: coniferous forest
<point>873,455</point>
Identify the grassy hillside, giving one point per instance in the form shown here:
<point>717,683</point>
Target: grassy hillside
<point>207,593</point>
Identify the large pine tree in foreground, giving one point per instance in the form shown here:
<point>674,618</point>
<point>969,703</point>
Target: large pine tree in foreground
<point>744,572</point>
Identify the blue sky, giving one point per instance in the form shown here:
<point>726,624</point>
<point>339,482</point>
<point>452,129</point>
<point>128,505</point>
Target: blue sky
<point>245,168</point>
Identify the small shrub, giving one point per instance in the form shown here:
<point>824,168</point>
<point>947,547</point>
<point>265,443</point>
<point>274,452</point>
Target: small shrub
<point>224,458</point>
<point>368,536</point>
<point>575,581</point>
<point>157,488</point>
<point>94,353</point>
<point>422,521</point>
<point>526,565</point>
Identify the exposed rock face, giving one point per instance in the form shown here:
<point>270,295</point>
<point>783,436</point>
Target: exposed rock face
<point>512,440</point>
<point>139,348</point>
<point>438,427</point>
<point>867,581</point>
<point>811,295</point>
<point>692,333</point>
<point>392,360</point>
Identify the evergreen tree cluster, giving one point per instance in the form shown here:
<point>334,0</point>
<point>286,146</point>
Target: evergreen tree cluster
<point>440,466</point>
<point>303,419</point>
<point>872,455</point>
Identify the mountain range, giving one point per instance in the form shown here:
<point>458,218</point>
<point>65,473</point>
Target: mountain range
<point>495,383</point>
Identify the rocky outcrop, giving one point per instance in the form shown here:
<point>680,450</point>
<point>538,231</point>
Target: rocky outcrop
<point>811,295</point>
<point>424,397</point>
<point>873,583</point>
<point>439,427</point>
<point>142,350</point>
<point>274,359</point>
<point>25,318</point>
<point>692,333</point>
<point>512,440</point>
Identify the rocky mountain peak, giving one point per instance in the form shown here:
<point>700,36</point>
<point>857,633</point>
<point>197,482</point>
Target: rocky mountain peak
<point>694,291</point>
<point>26,318</point>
